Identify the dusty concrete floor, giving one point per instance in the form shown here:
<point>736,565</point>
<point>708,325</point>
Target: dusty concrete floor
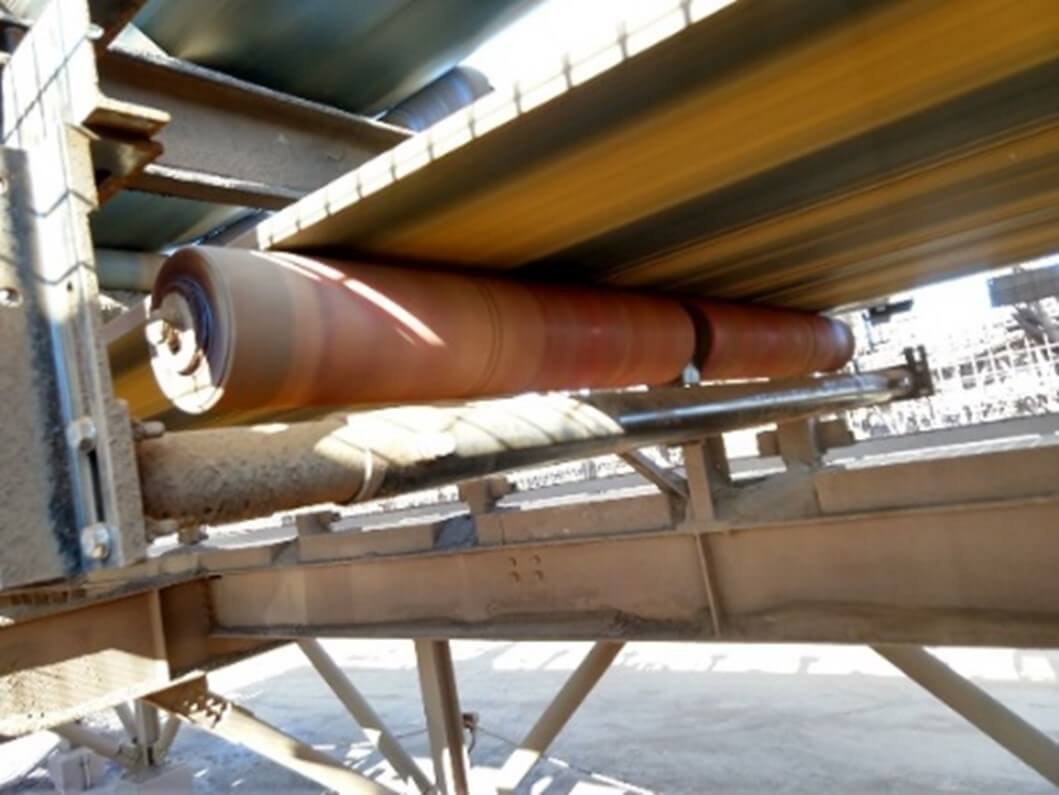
<point>668,718</point>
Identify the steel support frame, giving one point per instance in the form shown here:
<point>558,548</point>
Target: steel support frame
<point>194,702</point>
<point>374,729</point>
<point>233,142</point>
<point>878,556</point>
<point>66,146</point>
<point>76,734</point>
<point>441,705</point>
<point>854,579</point>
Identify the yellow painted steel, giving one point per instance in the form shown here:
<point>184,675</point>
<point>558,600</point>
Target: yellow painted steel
<point>883,237</point>
<point>881,64</point>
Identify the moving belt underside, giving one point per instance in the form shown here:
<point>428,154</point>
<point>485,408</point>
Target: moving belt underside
<point>799,154</point>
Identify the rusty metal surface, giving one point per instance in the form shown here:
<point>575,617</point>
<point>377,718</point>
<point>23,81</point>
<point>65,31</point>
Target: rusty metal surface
<point>227,474</point>
<point>770,152</point>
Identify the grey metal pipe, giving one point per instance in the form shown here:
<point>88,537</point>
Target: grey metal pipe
<point>454,90</point>
<point>230,474</point>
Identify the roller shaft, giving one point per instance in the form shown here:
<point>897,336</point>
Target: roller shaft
<point>239,473</point>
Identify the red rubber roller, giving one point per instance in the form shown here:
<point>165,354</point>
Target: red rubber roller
<point>234,329</point>
<point>736,341</point>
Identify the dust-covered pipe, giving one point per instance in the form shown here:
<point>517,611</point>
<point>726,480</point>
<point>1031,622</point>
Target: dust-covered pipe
<point>231,474</point>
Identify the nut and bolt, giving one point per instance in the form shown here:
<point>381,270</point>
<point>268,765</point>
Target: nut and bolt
<point>96,541</point>
<point>81,434</point>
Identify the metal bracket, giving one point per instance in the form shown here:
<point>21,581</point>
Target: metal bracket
<point>922,380</point>
<point>71,463</point>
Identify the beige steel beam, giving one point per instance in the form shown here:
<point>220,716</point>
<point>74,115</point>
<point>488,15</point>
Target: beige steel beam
<point>891,576</point>
<point>63,666</point>
<point>985,713</point>
<point>165,739</point>
<point>232,142</point>
<point>556,715</point>
<point>667,481</point>
<point>374,728</point>
<point>875,555</point>
<point>441,704</point>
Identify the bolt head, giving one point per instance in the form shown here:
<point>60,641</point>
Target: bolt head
<point>81,434</point>
<point>96,541</point>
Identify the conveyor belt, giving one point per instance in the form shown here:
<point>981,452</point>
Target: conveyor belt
<point>800,154</point>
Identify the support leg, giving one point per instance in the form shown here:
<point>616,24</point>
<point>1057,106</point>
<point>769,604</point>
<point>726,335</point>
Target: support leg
<point>1025,741</point>
<point>148,729</point>
<point>78,735</point>
<point>194,702</point>
<point>556,715</point>
<point>128,720</point>
<point>166,738</point>
<point>374,729</point>
<point>437,680</point>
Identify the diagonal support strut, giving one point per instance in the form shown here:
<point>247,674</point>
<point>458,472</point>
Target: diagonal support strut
<point>195,703</point>
<point>374,729</point>
<point>556,715</point>
<point>1025,741</point>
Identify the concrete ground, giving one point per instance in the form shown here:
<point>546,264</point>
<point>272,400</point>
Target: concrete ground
<point>667,718</point>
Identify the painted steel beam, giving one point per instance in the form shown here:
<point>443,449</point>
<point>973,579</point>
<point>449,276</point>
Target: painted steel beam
<point>749,116</point>
<point>63,666</point>
<point>886,577</point>
<point>232,142</point>
<point>126,755</point>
